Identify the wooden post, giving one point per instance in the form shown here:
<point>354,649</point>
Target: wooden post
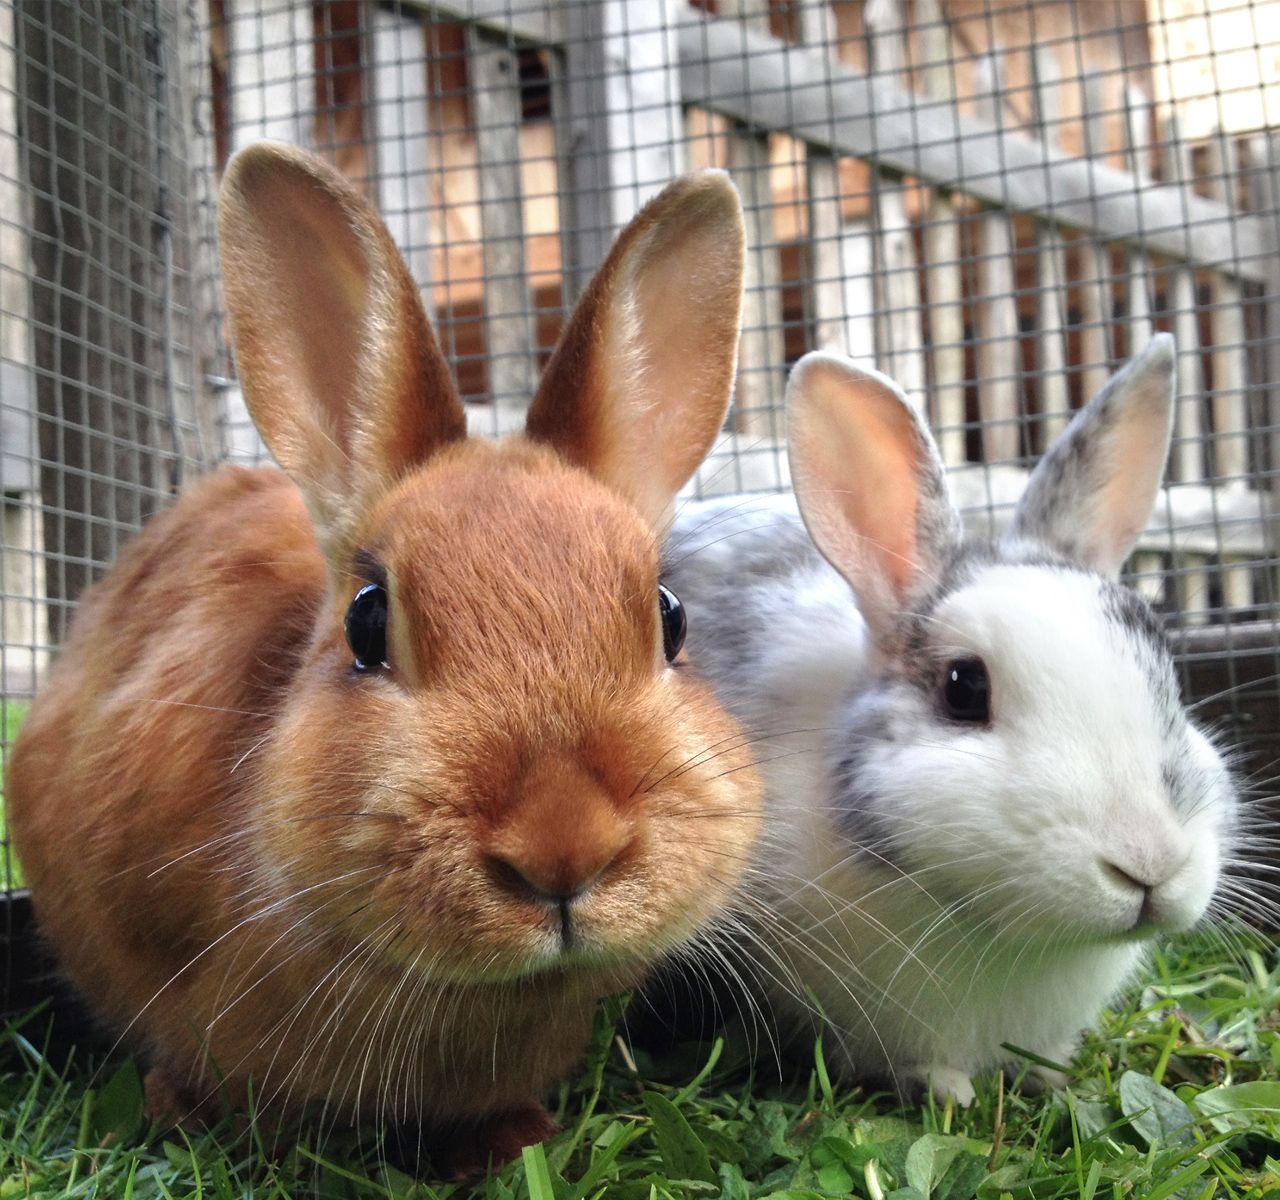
<point>1051,271</point>
<point>398,74</point>
<point>1147,565</point>
<point>999,359</point>
<point>1093,259</point>
<point>100,305</point>
<point>196,233</point>
<point>944,277</point>
<point>24,627</point>
<point>840,251</point>
<point>899,338</point>
<point>1187,465</point>
<point>270,94</point>
<point>618,122</point>
<point>1229,364</point>
<point>270,56</point>
<point>762,351</point>
<point>510,348</point>
<point>1267,202</point>
<point>1138,302</point>
<point>777,86</point>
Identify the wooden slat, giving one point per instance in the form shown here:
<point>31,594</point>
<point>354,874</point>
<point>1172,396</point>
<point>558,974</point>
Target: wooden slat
<point>1051,270</point>
<point>1138,284</point>
<point>841,297</point>
<point>899,338</point>
<point>271,62</point>
<point>1229,366</point>
<point>578,92</point>
<point>998,355</point>
<point>398,76</point>
<point>762,351</point>
<point>538,24</point>
<point>1093,265</point>
<point>24,626</point>
<point>271,94</point>
<point>1188,455</point>
<point>758,79</point>
<point>494,73</point>
<point>204,398</point>
<point>1148,567</point>
<point>18,473</point>
<point>1230,450</point>
<point>944,277</point>
<point>1266,200</point>
<point>619,122</point>
<point>1187,518</point>
<point>1187,463</point>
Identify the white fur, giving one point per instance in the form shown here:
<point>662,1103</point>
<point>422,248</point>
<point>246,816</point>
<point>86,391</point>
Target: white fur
<point>942,888</point>
<point>996,921</point>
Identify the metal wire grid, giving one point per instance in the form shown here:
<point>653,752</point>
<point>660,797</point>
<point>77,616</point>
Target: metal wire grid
<point>96,310</point>
<point>995,202</point>
<point>478,138</point>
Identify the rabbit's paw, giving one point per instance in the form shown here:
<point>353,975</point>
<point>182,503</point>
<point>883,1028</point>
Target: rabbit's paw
<point>167,1103</point>
<point>495,1140</point>
<point>946,1083</point>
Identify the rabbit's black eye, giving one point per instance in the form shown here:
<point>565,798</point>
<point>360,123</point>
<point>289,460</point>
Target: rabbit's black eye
<point>966,691</point>
<point>674,622</point>
<point>366,627</point>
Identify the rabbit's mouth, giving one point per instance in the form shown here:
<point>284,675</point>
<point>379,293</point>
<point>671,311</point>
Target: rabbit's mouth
<point>553,960</point>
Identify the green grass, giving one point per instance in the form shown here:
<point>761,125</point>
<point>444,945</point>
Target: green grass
<point>1177,1096</point>
<point>11,714</point>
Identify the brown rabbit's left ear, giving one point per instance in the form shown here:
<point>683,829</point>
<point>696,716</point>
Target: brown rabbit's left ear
<point>341,372</point>
<point>639,384</point>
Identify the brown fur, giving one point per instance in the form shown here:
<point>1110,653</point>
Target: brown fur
<point>260,864</point>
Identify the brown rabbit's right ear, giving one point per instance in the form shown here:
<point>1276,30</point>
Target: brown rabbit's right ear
<point>639,384</point>
<point>341,372</point>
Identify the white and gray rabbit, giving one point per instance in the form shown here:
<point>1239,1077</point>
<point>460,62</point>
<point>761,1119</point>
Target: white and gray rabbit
<point>985,797</point>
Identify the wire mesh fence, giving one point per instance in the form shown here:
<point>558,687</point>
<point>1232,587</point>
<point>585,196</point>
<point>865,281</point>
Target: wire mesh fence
<point>995,202</point>
<point>98,375</point>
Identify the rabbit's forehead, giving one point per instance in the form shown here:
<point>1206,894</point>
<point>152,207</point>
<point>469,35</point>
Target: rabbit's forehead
<point>1042,628</point>
<point>505,566</point>
<point>552,527</point>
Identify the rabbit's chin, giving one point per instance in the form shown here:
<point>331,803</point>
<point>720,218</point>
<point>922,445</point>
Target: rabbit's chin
<point>546,960</point>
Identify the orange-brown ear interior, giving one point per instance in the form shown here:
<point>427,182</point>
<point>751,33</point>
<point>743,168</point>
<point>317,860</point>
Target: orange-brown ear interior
<point>638,387</point>
<point>340,369</point>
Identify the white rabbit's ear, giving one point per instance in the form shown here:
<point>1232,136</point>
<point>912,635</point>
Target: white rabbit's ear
<point>341,372</point>
<point>639,383</point>
<point>1092,493</point>
<point>870,483</point>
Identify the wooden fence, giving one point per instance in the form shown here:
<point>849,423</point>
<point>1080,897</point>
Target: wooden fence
<point>997,245</point>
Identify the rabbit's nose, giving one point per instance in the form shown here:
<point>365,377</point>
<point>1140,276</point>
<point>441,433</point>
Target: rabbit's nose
<point>1128,877</point>
<point>553,883</point>
<point>562,834</point>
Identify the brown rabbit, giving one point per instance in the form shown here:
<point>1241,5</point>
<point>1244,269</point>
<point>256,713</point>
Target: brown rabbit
<point>394,869</point>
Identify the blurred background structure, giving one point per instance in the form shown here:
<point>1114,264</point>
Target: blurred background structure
<point>995,201</point>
